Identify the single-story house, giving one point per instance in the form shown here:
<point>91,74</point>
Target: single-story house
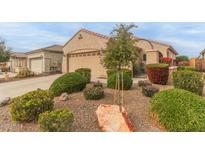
<point>45,60</point>
<point>17,61</point>
<point>85,49</point>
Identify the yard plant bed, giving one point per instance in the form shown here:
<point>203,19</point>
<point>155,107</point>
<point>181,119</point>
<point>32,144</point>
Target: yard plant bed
<point>85,119</point>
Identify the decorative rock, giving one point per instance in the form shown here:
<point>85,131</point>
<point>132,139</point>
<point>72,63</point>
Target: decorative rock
<point>64,97</point>
<point>110,119</point>
<point>4,101</point>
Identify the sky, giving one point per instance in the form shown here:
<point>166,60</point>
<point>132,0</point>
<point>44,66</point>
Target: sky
<point>187,38</point>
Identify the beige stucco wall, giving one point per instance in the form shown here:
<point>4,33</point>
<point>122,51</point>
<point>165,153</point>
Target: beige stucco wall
<point>17,64</point>
<point>90,42</point>
<point>171,55</point>
<point>53,58</point>
<point>87,43</point>
<point>146,47</point>
<point>152,57</point>
<point>92,61</point>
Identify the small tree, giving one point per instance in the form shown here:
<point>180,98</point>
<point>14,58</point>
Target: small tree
<point>182,58</point>
<point>120,51</point>
<point>4,51</point>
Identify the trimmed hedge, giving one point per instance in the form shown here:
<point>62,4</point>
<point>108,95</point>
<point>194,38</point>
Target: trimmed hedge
<point>189,80</point>
<point>179,110</point>
<point>149,91</point>
<point>59,120</point>
<point>127,81</point>
<point>70,82</point>
<point>185,68</point>
<point>85,72</point>
<point>93,93</point>
<point>158,73</point>
<point>27,107</point>
<point>110,72</point>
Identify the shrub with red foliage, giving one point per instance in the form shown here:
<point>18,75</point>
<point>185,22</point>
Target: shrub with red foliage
<point>158,73</point>
<point>166,60</point>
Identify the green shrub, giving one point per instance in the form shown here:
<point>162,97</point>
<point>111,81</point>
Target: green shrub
<point>158,73</point>
<point>70,82</point>
<point>112,71</point>
<point>160,65</point>
<point>85,72</point>
<point>93,93</point>
<point>182,58</point>
<point>149,91</point>
<point>56,121</point>
<point>179,110</point>
<point>127,81</point>
<point>185,68</point>
<point>189,80</point>
<point>24,74</point>
<point>143,83</point>
<point>27,107</point>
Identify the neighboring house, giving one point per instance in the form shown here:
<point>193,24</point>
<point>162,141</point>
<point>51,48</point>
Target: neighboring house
<point>202,53</point>
<point>45,60</point>
<point>85,49</point>
<point>17,62</point>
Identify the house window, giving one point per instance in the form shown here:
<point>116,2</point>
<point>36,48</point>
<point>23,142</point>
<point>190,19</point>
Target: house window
<point>144,57</point>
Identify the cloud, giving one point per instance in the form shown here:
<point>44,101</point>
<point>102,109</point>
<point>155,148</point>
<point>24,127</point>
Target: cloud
<point>27,36</point>
<point>186,38</point>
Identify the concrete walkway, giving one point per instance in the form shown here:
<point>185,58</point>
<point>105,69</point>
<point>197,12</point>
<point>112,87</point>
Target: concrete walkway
<point>16,88</point>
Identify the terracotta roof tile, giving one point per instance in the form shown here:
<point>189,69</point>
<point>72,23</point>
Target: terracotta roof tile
<point>108,37</point>
<point>18,54</point>
<point>52,48</point>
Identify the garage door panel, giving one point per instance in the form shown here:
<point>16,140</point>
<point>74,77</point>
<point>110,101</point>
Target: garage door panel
<point>36,65</point>
<point>92,62</point>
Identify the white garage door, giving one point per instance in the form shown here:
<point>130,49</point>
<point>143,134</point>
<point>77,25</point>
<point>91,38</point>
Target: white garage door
<point>36,65</point>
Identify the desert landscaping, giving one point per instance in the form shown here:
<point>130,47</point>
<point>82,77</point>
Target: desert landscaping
<point>121,83</point>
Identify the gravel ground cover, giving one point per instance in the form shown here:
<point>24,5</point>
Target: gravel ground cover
<point>85,120</point>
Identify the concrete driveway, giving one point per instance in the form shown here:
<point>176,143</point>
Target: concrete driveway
<point>16,88</point>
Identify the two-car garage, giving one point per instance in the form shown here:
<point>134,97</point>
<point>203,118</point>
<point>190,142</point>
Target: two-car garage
<point>45,60</point>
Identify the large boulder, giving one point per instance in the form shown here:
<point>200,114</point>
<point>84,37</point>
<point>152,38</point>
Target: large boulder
<point>110,119</point>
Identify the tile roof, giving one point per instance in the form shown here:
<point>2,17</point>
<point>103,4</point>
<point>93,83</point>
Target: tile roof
<point>108,37</point>
<point>18,54</point>
<point>53,48</point>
